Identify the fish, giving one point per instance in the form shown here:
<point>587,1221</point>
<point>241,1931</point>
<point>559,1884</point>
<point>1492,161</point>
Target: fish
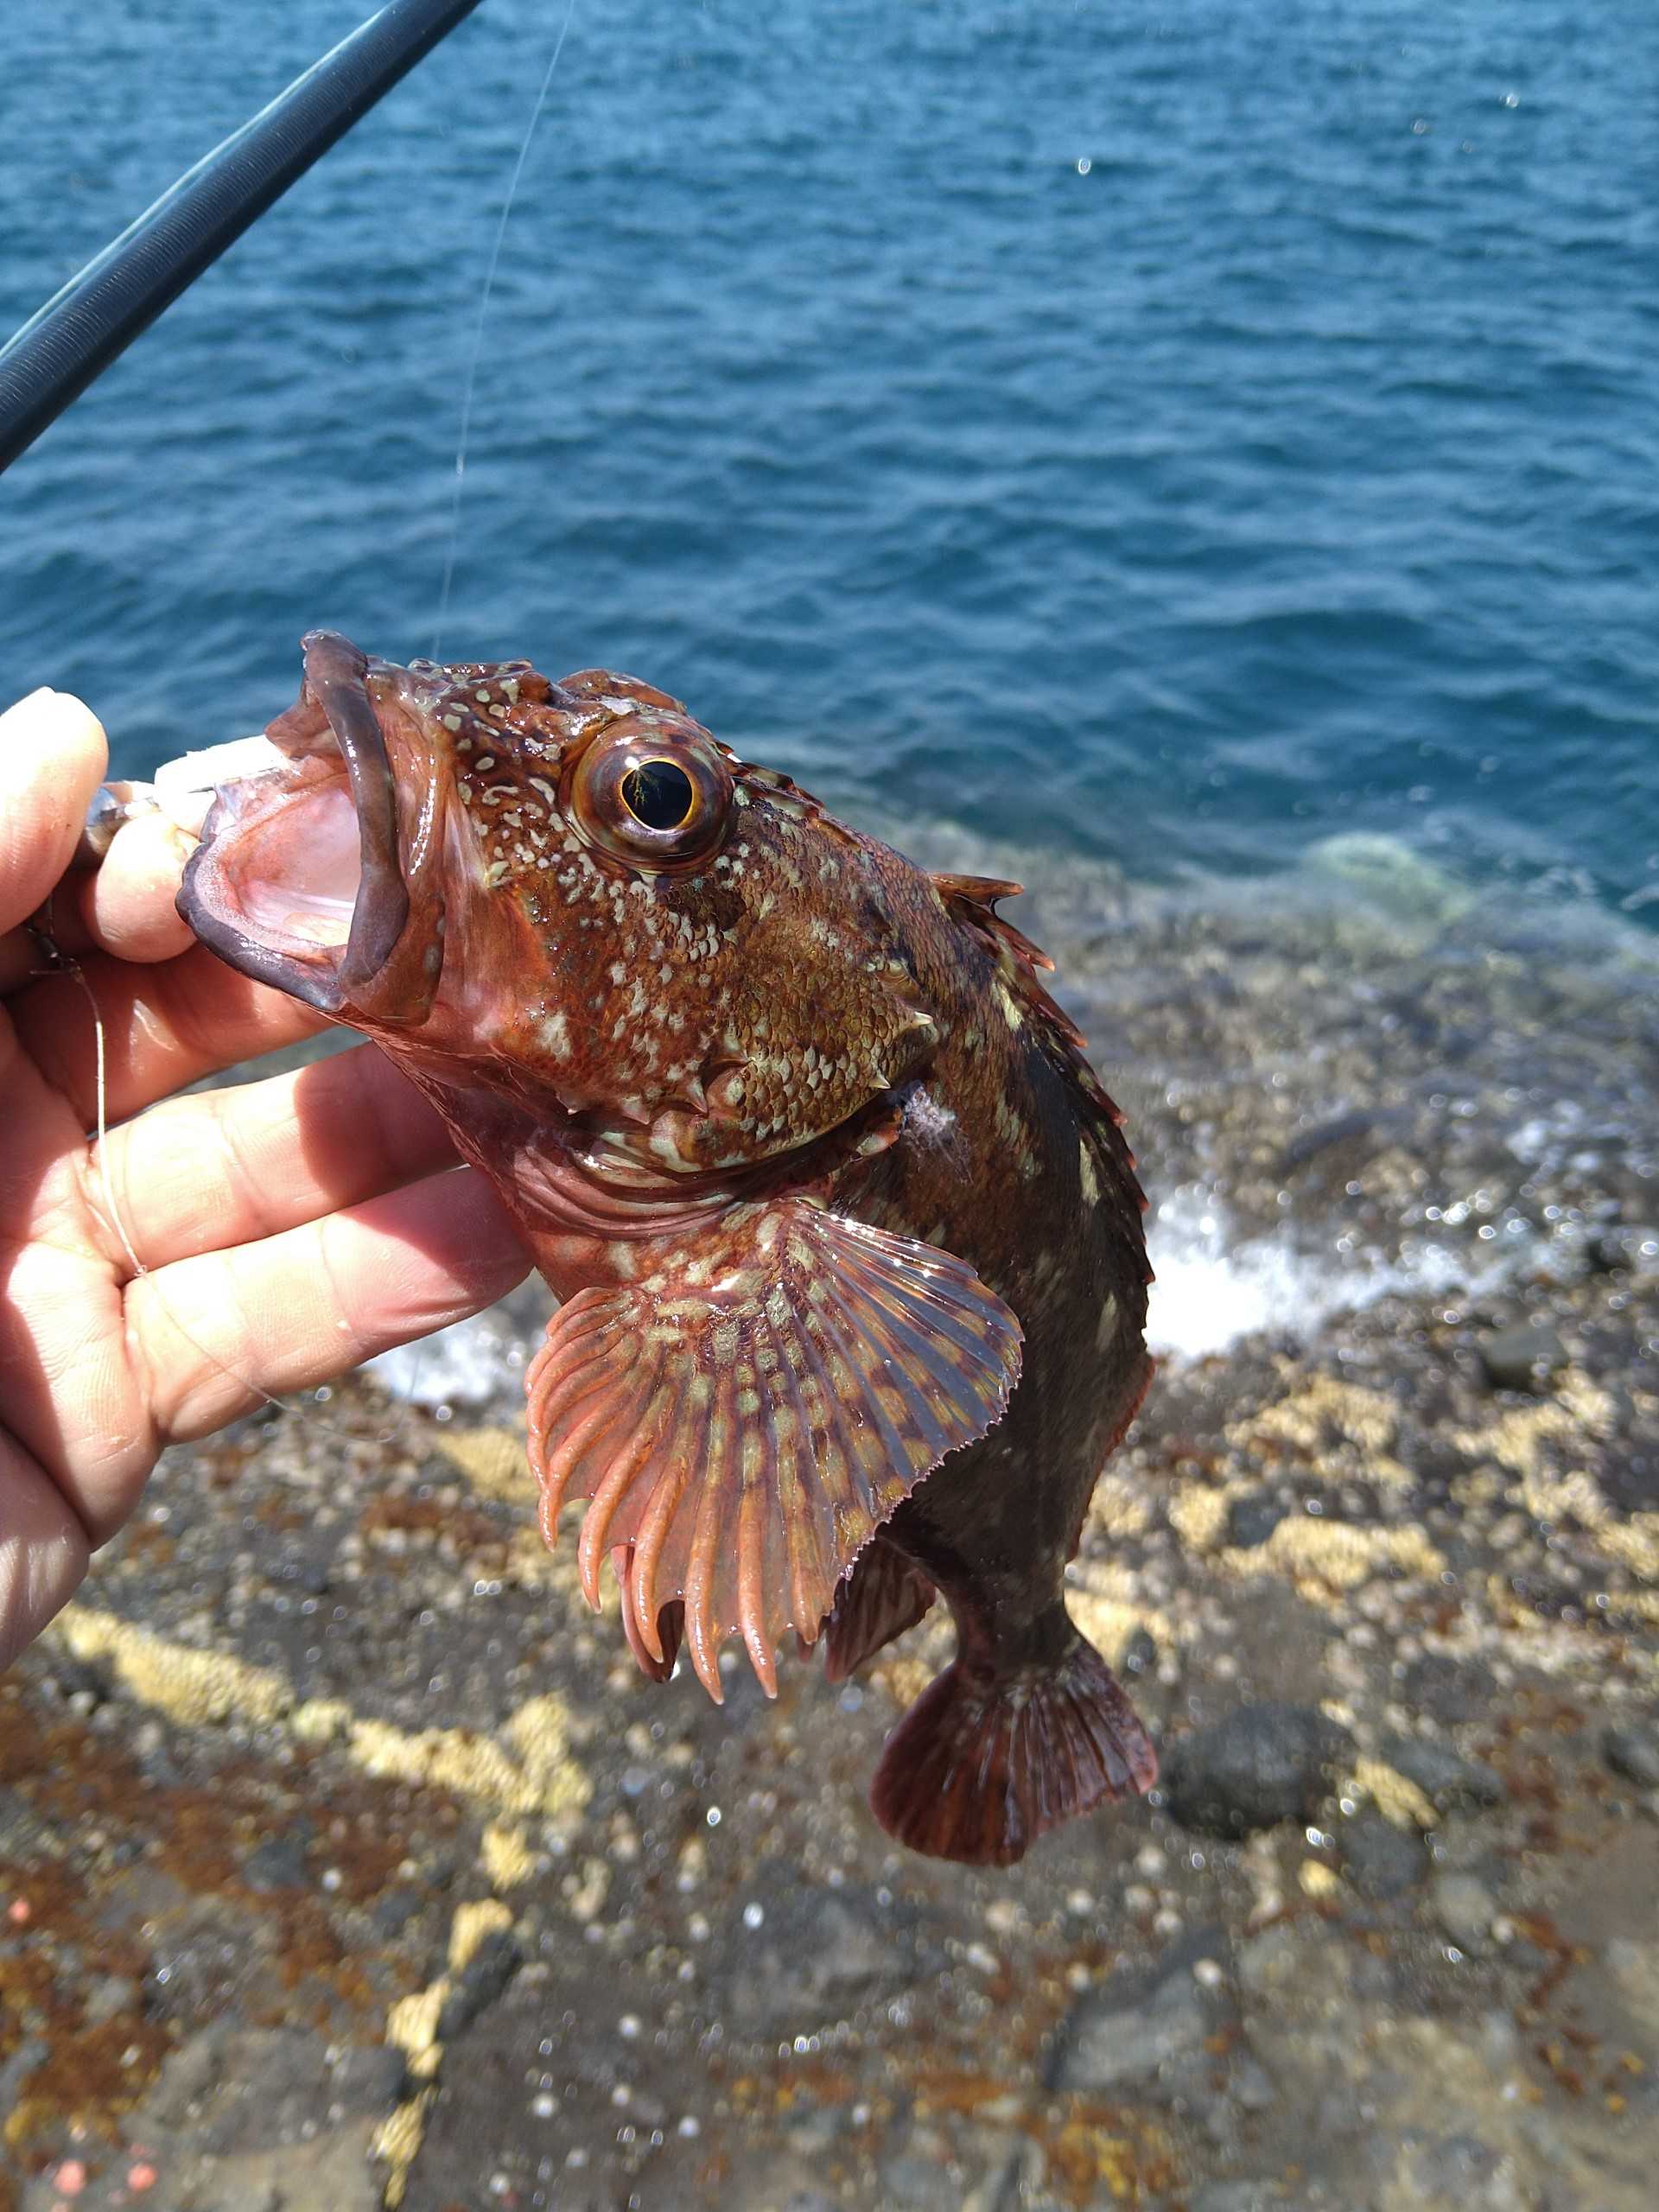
<point>845,1231</point>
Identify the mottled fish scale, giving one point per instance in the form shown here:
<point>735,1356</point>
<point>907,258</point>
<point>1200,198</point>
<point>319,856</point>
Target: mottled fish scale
<point>845,1230</point>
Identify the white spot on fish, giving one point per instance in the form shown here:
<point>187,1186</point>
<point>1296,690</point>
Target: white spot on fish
<point>1086,1174</point>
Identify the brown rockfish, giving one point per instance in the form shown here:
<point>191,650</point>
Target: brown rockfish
<point>847,1236</point>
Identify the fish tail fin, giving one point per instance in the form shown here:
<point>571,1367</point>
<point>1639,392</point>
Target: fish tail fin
<point>982,1763</point>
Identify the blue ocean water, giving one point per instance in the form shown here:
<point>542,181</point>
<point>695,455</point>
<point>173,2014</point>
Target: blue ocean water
<point>1176,436</point>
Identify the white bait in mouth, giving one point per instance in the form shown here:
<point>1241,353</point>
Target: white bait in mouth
<point>185,787</point>
<point>182,790</point>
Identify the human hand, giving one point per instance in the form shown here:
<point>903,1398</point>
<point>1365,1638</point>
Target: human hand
<point>287,1229</point>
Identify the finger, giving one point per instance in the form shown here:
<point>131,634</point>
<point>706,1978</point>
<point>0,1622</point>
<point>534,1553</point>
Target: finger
<point>214,1334</point>
<point>52,754</point>
<point>24,958</point>
<point>227,1167</point>
<point>164,1026</point>
<point>43,1550</point>
<point>126,903</point>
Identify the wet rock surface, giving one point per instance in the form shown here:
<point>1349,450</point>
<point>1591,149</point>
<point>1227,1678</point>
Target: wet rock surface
<point>346,1860</point>
<point>1257,1766</point>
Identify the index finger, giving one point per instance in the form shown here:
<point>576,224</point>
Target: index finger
<point>53,755</point>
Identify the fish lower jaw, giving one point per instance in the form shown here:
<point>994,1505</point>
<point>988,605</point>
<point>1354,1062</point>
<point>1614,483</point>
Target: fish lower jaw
<point>273,885</point>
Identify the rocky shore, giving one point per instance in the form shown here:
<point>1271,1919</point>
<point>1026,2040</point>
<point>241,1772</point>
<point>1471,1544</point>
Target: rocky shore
<point>346,1860</point>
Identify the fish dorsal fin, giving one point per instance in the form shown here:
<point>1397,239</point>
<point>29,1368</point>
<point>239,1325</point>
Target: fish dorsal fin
<point>972,898</point>
<point>750,1413</point>
<point>976,890</point>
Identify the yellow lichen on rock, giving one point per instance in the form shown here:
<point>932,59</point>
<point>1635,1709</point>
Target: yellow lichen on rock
<point>1327,1559</point>
<point>1197,1513</point>
<point>542,1778</point>
<point>474,1924</point>
<point>395,2142</point>
<point>504,1856</point>
<point>529,1771</point>
<point>531,1565</point>
<point>320,1719</point>
<point>540,1733</point>
<point>1638,1605</point>
<point>1119,1509</point>
<point>901,1676</point>
<point>1322,1411</point>
<point>492,1461</point>
<point>534,1773</point>
<point>1579,1410</point>
<point>1632,1543</point>
<point>412,2026</point>
<point>1111,1623</point>
<point>189,1686</point>
<point>1395,1796</point>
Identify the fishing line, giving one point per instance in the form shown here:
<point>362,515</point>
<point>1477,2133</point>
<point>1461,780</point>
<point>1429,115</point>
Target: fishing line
<point>468,391</point>
<point>478,333</point>
<point>60,963</point>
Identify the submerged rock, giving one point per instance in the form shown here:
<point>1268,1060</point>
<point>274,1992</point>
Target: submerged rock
<point>1381,1860</point>
<point>1523,1358</point>
<point>1627,1247</point>
<point>1631,1749</point>
<point>1151,2028</point>
<point>1467,1909</point>
<point>1448,1781</point>
<point>1261,1765</point>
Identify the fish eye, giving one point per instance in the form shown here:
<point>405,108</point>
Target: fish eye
<point>662,803</point>
<point>659,793</point>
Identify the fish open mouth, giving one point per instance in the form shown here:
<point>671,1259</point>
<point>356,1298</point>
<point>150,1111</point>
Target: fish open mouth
<point>297,880</point>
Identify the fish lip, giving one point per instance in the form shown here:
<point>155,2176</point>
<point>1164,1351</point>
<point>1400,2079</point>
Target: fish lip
<point>336,673</point>
<point>336,680</point>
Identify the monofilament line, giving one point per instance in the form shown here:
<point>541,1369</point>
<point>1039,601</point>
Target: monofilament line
<point>115,1213</point>
<point>478,333</point>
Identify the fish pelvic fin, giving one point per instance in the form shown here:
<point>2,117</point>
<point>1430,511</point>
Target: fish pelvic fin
<point>882,1597</point>
<point>983,1764</point>
<point>745,1418</point>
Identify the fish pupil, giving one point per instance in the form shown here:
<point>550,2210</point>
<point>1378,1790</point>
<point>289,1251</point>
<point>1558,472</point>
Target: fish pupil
<point>658,794</point>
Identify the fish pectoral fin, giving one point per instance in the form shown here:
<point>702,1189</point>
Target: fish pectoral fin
<point>748,1415</point>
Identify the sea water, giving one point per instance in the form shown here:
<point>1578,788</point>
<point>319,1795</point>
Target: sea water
<point>1213,445</point>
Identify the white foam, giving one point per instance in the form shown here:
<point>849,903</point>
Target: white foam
<point>466,1364</point>
<point>1213,1286</point>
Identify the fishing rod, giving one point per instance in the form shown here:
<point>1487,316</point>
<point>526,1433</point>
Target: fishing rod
<point>96,316</point>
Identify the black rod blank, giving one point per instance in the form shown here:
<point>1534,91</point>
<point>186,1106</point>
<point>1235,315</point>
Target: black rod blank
<point>80,331</point>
